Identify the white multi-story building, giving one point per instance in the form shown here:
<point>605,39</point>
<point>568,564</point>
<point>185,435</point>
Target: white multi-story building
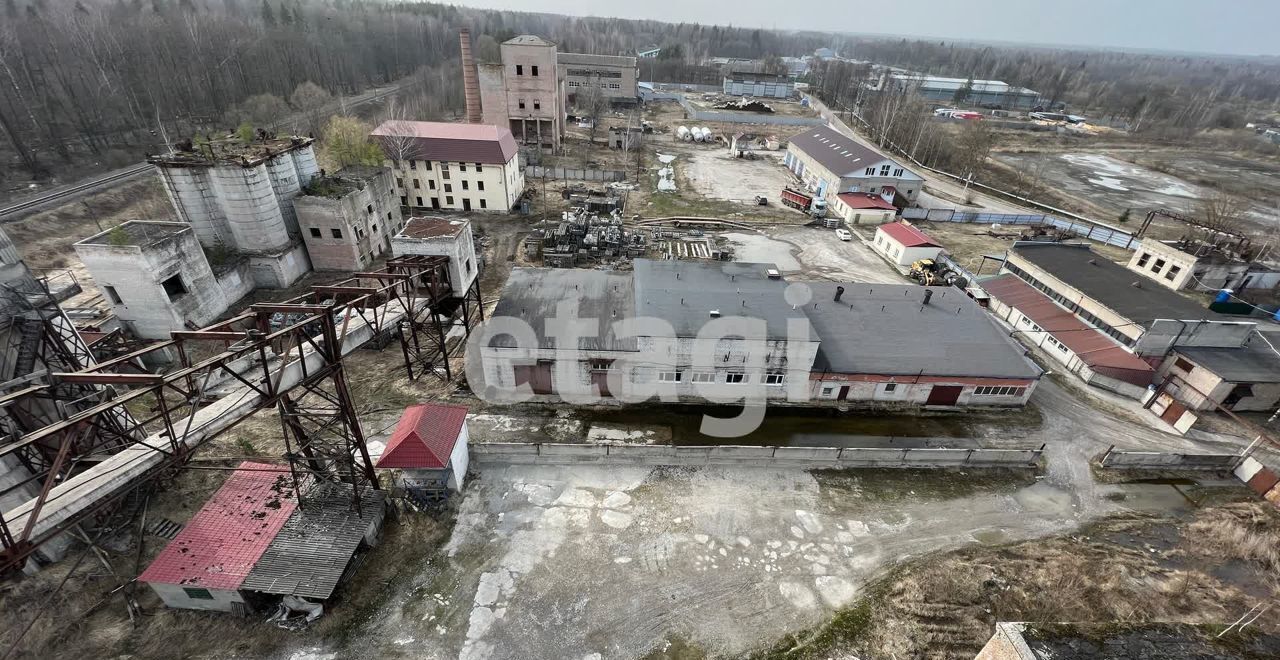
<point>464,167</point>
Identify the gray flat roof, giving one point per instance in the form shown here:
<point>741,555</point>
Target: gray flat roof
<point>532,294</point>
<point>1255,363</point>
<point>684,293</point>
<point>885,329</point>
<point>1111,284</point>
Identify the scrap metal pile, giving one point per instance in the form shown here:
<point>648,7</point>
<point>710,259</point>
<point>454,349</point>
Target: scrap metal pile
<point>583,236</point>
<point>744,104</point>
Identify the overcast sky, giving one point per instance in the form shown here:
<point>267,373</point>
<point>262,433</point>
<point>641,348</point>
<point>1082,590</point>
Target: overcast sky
<point>1240,27</point>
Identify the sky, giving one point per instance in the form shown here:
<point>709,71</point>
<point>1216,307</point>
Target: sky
<point>1234,27</point>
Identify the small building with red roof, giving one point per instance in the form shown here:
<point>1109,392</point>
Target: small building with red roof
<point>207,562</point>
<point>903,244</point>
<point>429,446</point>
<point>860,208</point>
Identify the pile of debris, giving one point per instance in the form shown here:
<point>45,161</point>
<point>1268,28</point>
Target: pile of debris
<point>594,201</point>
<point>581,236</point>
<point>745,104</point>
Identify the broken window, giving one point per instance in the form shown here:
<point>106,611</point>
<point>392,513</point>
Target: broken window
<point>413,164</point>
<point>1159,266</point>
<point>419,201</point>
<point>1143,259</point>
<point>537,105</point>
<point>173,287</point>
<point>369,209</point>
<point>337,233</point>
<point>533,69</point>
<point>431,183</point>
<point>462,167</point>
<point>1173,272</point>
<point>479,168</point>
<point>112,294</point>
<point>315,232</point>
<point>399,182</point>
<point>520,103</point>
<point>417,183</point>
<point>519,69</point>
<point>404,200</point>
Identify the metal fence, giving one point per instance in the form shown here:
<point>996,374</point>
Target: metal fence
<point>539,172</point>
<point>1081,228</point>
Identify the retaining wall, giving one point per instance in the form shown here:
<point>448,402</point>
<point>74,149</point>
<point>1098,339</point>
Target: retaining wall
<point>833,457</point>
<point>1169,461</point>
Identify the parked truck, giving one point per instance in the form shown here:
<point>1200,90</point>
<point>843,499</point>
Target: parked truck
<point>796,199</point>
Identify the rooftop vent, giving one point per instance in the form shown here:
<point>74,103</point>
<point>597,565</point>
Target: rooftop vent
<point>773,274</point>
<point>839,292</point>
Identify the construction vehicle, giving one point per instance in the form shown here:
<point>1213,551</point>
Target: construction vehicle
<point>931,273</point>
<point>803,201</point>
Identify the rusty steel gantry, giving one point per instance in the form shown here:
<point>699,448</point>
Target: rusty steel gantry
<point>134,426</point>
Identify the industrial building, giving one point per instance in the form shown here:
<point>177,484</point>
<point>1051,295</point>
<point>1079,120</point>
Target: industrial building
<point>238,194</point>
<point>616,76</point>
<point>765,85</point>
<point>1038,321</point>
<point>1197,265</point>
<point>256,540</point>
<point>347,218</point>
<point>1240,379</point>
<point>912,345</point>
<point>865,208</point>
<point>442,237</point>
<point>463,167</point>
<point>831,163</point>
<point>983,93</point>
<point>157,278</point>
<point>1132,309</point>
<point>902,244</point>
<point>819,343</point>
<point>524,93</point>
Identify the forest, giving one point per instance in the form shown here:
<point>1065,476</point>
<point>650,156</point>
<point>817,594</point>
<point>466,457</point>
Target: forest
<point>90,84</point>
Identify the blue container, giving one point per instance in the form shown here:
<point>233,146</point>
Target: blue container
<point>1223,296</point>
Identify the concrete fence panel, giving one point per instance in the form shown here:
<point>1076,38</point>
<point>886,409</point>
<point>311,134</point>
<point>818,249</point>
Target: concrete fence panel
<point>807,454</point>
<point>872,457</point>
<point>1158,460</point>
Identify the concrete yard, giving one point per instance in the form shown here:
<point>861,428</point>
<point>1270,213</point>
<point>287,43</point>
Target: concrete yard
<point>715,175</point>
<point>815,252</point>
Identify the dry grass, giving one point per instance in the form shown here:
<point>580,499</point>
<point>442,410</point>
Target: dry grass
<point>1120,570</point>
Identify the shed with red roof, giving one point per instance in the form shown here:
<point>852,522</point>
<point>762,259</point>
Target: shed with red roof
<point>903,244</point>
<point>429,445</point>
<point>859,208</point>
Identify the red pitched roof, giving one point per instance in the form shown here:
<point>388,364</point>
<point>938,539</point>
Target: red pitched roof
<point>1089,344</point>
<point>866,201</point>
<point>424,437</point>
<point>222,542</point>
<point>466,143</point>
<point>907,235</point>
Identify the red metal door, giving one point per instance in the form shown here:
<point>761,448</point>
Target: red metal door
<point>538,376</point>
<point>1173,413</point>
<point>944,395</point>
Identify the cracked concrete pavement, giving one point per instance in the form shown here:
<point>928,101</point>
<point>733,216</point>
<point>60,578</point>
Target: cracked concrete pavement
<point>610,562</point>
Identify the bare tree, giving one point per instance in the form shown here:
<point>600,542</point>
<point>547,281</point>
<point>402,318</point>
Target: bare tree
<point>1222,212</point>
<point>309,99</point>
<point>591,104</point>
<point>397,140</point>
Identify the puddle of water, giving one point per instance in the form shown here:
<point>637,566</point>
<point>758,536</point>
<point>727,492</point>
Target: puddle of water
<point>1044,499</point>
<point>991,537</point>
<point>1148,497</point>
<point>803,428</point>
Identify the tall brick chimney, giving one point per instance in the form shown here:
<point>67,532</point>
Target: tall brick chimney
<point>470,80</point>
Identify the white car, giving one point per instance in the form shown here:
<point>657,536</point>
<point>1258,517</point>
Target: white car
<point>844,235</point>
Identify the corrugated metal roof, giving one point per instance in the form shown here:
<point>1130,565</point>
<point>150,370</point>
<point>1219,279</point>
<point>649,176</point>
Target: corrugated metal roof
<point>837,152</point>
<point>907,235</point>
<point>684,293</point>
<point>219,546</point>
<point>533,295</point>
<point>1255,363</point>
<point>866,201</point>
<point>441,141</point>
<point>310,553</point>
<point>1089,344</point>
<point>424,437</point>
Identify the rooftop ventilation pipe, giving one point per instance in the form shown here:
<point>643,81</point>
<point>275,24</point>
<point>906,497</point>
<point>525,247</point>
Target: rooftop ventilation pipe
<point>839,292</point>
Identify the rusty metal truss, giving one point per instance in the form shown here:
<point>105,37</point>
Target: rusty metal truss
<point>286,355</point>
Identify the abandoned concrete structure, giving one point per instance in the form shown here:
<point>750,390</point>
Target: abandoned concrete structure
<point>524,92</point>
<point>158,279</point>
<point>347,219</point>
<point>1200,265</point>
<point>441,237</point>
<point>616,76</point>
<point>464,167</point>
<point>238,196</point>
